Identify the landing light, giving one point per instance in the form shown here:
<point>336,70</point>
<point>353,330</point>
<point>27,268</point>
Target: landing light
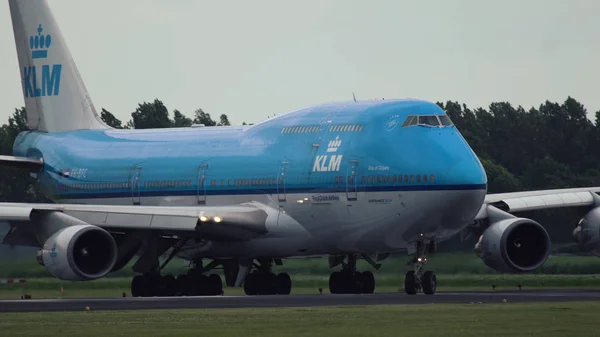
<point>203,218</point>
<point>217,219</point>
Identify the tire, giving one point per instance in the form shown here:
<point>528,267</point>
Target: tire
<point>250,287</point>
<point>429,283</point>
<point>136,286</point>
<point>215,285</point>
<point>334,282</point>
<point>284,284</point>
<point>170,285</point>
<point>368,283</point>
<point>410,286</point>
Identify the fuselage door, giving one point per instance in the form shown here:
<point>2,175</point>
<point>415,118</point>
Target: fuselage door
<point>281,193</point>
<point>201,183</point>
<point>352,181</point>
<point>134,184</point>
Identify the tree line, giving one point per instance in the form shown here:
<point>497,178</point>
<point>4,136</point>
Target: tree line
<point>554,145</point>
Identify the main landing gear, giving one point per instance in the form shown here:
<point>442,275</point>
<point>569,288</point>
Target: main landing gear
<point>262,281</point>
<point>194,283</point>
<point>418,279</point>
<point>349,281</point>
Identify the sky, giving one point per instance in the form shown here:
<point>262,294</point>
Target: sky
<point>254,59</point>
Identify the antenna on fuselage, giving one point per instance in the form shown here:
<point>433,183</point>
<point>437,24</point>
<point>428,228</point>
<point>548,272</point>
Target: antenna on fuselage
<point>354,96</point>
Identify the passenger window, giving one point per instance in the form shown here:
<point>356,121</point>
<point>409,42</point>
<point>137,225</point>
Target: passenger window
<point>432,178</point>
<point>412,178</point>
<point>418,178</point>
<point>424,178</point>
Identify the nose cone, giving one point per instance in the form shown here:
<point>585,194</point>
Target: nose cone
<point>467,171</point>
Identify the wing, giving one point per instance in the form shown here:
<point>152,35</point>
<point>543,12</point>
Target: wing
<point>236,222</point>
<point>542,199</point>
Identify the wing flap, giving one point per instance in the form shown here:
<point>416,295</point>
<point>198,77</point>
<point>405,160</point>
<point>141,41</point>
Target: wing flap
<point>236,222</point>
<point>24,163</point>
<point>15,213</point>
<point>543,199</point>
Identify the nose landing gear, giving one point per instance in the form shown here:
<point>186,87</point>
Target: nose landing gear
<point>418,279</point>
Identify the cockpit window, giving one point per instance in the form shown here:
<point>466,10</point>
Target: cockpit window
<point>428,120</point>
<point>446,121</point>
<point>410,120</point>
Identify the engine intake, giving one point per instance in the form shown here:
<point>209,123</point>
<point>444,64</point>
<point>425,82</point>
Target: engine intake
<point>78,253</point>
<point>514,245</point>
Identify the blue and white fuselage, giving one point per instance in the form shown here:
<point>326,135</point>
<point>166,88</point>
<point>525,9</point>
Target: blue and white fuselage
<point>355,177</point>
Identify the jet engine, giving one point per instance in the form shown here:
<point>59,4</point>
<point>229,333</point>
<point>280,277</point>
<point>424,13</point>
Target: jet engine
<point>79,253</point>
<point>514,245</point>
<point>587,232</point>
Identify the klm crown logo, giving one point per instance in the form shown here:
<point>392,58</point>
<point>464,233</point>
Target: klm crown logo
<point>39,44</point>
<point>334,145</point>
<point>41,80</point>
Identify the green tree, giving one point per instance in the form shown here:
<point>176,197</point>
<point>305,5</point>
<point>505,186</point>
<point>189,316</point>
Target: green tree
<point>150,116</point>
<point>224,120</point>
<point>201,117</point>
<point>110,119</point>
<point>179,120</point>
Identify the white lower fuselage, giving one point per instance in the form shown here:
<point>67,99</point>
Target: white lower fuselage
<point>332,223</point>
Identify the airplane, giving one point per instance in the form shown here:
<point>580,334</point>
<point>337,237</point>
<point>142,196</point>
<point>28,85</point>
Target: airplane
<point>342,180</point>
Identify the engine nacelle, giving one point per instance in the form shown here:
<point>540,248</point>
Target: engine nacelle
<point>514,245</point>
<point>587,232</point>
<point>79,253</point>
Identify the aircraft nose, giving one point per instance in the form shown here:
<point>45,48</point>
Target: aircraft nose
<point>467,171</point>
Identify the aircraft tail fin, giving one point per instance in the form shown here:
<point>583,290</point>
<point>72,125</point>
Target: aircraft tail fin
<point>55,97</point>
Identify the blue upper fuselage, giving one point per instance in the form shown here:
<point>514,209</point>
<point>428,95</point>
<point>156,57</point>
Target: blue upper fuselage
<point>361,146</point>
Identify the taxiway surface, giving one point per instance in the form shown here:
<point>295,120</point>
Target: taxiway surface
<point>33,305</point>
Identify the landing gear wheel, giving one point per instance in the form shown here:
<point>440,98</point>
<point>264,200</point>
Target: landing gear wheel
<point>284,284</point>
<point>215,285</point>
<point>335,280</point>
<point>250,287</point>
<point>410,284</point>
<point>183,285</point>
<point>368,286</point>
<point>271,285</point>
<point>429,282</point>
<point>170,285</point>
<point>137,286</point>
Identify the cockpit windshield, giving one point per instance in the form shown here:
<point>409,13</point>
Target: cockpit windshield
<point>446,121</point>
<point>428,120</point>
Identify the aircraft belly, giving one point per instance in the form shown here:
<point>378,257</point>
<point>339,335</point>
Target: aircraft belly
<point>320,224</point>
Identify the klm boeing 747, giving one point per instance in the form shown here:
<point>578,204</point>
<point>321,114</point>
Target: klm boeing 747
<point>346,181</point>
